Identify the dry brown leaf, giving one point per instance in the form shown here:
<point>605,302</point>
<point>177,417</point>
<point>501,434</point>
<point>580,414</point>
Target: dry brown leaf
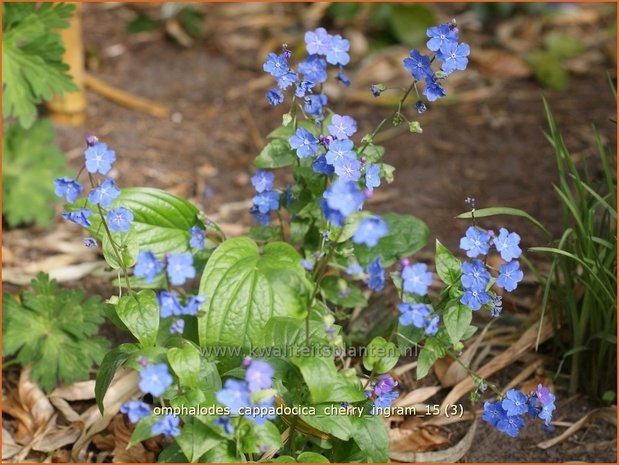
<point>452,454</point>
<point>116,441</point>
<point>9,446</point>
<point>417,396</point>
<point>422,439</point>
<point>608,414</point>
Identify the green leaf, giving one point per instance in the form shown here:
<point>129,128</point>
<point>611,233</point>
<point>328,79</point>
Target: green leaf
<point>381,355</point>
<point>549,69</point>
<point>283,459</point>
<point>311,457</point>
<point>457,319</point>
<point>563,45</point>
<point>143,430</point>
<point>224,452</point>
<point>261,437</point>
<point>409,23</point>
<point>185,362</point>
<point>406,236</point>
<point>196,439</point>
<point>288,332</point>
<point>55,330</point>
<point>161,220</point>
<point>431,352</point>
<point>342,293</point>
<point>496,211</point>
<point>338,426</point>
<point>32,50</point>
<point>373,153</point>
<point>370,434</point>
<point>447,265</point>
<point>276,154</point>
<point>111,362</point>
<point>244,289</point>
<point>128,247</point>
<point>30,163</point>
<point>140,314</point>
<point>172,454</point>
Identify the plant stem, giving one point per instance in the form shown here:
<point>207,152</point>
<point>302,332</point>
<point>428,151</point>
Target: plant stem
<point>472,373</point>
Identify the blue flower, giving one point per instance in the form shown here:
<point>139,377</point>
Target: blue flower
<point>155,379</point>
<point>266,201</point>
<point>234,395</point>
<point>432,325</point>
<point>332,215</point>
<point>104,193</point>
<point>314,104</point>
<point>303,88</point>
<point>493,412</point>
<point>258,419</point>
<point>286,80</point>
<point>340,150</point>
<point>99,158</point>
<point>384,400</point>
<point>119,219</point>
<point>345,197</point>
<point>308,264</point>
<point>354,269</point>
<point>376,275</point>
<point>348,169</point>
<point>370,230</point>
<point>262,218</point>
<point>474,298</point>
<point>342,127</point>
<point>475,242</point>
<point>515,403</point>
<point>496,305</point>
<point>318,41</point>
<point>474,275</point>
<point>544,395</point>
<point>135,410</point>
<point>147,266</point>
<point>341,76</point>
<point>454,56</point>
<point>510,425</point>
<point>546,412</point>
<point>304,142</point>
<point>321,166</point>
<point>337,52</point>
<point>169,304</point>
<point>506,244</point>
<point>421,107</point>
<point>263,180</point>
<point>90,242</point>
<point>68,188</point>
<point>168,426</point>
<point>177,327</point>
<point>384,384</point>
<point>274,96</point>
<point>197,236</point>
<point>79,216</point>
<point>180,268</point>
<point>413,314</point>
<point>416,279</point>
<point>276,65</point>
<point>433,90</point>
<point>314,69</point>
<point>225,423</point>
<point>372,176</point>
<point>440,36</point>
<point>418,65</point>
<point>259,375</point>
<point>194,302</point>
<point>510,275</point>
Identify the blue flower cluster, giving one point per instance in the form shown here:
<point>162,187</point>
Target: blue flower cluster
<point>416,280</point>
<point>238,394</point>
<point>323,49</point>
<point>383,393</point>
<point>475,275</point>
<point>507,415</point>
<point>443,42</point>
<point>266,199</point>
<point>154,380</point>
<point>98,158</point>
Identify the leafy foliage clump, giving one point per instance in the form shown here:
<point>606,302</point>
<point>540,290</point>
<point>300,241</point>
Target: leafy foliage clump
<point>55,330</point>
<point>32,67</point>
<point>30,161</point>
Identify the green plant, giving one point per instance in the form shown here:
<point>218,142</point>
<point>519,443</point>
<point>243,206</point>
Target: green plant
<point>32,72</point>
<point>582,281</point>
<point>54,330</point>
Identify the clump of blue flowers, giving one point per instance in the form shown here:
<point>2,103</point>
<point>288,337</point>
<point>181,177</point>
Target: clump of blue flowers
<point>508,414</point>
